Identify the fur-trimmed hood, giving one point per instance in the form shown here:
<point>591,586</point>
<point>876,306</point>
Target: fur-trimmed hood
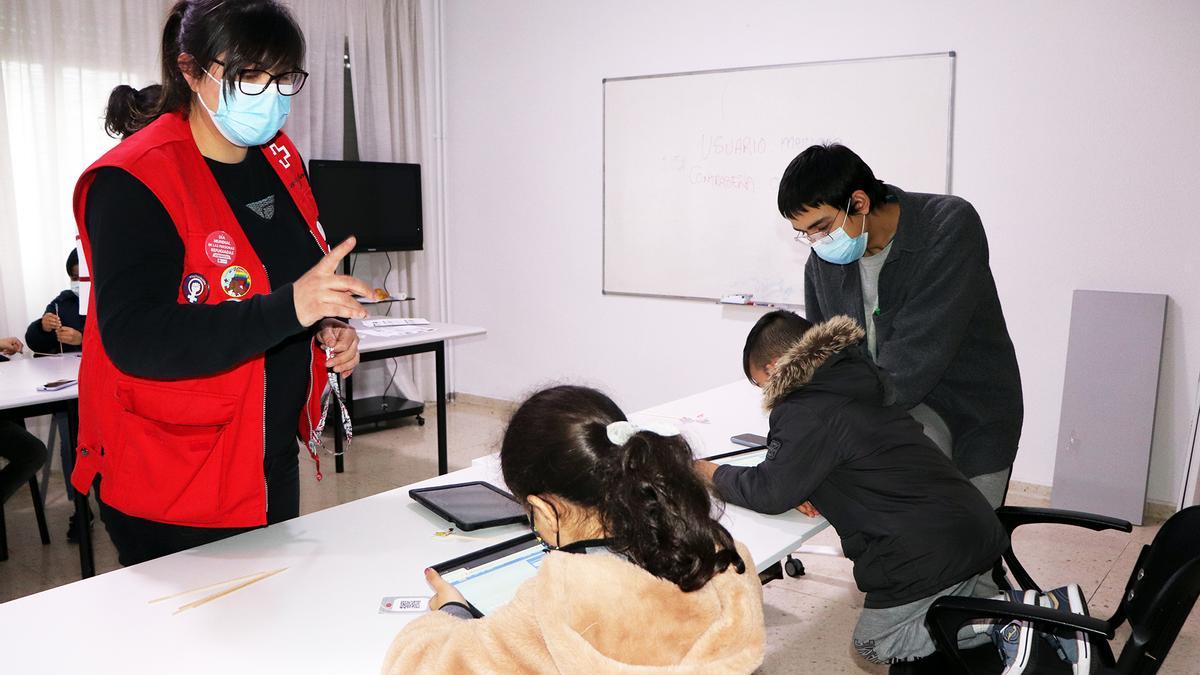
<point>795,367</point>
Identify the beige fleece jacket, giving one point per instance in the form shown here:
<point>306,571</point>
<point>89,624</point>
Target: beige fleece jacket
<point>596,614</point>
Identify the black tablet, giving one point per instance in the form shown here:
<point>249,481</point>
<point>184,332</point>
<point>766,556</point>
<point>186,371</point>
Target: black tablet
<point>471,506</point>
<point>489,578</point>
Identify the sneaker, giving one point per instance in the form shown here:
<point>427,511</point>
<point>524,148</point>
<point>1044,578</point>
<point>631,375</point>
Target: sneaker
<point>1075,649</point>
<point>1015,639</point>
<point>73,526</point>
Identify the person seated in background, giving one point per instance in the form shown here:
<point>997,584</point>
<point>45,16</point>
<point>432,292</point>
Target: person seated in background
<point>61,328</point>
<point>913,525</point>
<point>639,575</point>
<point>23,451</point>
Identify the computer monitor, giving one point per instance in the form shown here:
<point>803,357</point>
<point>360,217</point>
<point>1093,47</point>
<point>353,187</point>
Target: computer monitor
<point>377,202</point>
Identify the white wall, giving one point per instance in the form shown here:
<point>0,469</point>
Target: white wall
<point>1077,139</point>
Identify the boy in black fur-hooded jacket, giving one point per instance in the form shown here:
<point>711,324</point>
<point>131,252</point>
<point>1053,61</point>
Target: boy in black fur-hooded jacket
<point>914,527</point>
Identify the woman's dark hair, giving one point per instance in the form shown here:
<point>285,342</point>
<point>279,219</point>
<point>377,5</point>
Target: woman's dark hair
<point>245,34</point>
<point>656,510</point>
<point>773,334</point>
<point>130,109</point>
<point>827,174</point>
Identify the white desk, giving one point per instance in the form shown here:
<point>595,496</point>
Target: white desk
<point>440,333</point>
<point>21,377</point>
<point>377,347</point>
<point>20,398</point>
<point>319,616</point>
<point>710,418</point>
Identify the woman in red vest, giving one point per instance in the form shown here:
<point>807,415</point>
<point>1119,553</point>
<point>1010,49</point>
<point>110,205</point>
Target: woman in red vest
<point>207,337</point>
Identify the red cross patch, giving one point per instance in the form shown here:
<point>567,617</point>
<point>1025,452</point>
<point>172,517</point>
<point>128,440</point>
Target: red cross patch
<point>278,150</point>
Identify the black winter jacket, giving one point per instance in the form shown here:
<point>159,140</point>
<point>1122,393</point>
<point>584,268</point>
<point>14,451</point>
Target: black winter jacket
<point>910,521</point>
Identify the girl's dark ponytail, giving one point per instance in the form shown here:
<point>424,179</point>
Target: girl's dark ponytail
<point>655,509</point>
<point>659,513</point>
<point>131,109</point>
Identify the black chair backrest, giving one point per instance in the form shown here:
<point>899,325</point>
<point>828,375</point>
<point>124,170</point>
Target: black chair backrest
<point>1161,592</point>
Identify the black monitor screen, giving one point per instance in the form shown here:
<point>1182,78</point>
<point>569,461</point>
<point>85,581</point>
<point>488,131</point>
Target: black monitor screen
<point>377,202</point>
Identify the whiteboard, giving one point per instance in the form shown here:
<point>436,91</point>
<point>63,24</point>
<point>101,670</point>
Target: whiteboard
<point>692,163</point>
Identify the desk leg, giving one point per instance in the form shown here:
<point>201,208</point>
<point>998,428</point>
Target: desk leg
<point>87,564</point>
<point>335,419</point>
<point>771,574</point>
<point>439,360</point>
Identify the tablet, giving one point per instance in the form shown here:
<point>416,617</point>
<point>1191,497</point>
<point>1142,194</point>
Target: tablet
<point>471,506</point>
<point>489,578</point>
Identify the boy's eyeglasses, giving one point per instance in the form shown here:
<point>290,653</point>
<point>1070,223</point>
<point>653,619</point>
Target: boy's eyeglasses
<point>811,239</point>
<point>817,237</point>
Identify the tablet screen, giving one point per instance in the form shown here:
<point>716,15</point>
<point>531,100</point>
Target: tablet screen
<point>491,585</point>
<point>473,503</point>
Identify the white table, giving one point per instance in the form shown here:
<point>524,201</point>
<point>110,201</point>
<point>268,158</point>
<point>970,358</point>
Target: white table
<point>21,377</point>
<point>709,419</point>
<point>374,348</point>
<point>20,398</point>
<point>321,614</point>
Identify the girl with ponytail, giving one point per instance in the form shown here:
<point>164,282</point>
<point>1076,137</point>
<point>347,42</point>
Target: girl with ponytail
<point>639,573</point>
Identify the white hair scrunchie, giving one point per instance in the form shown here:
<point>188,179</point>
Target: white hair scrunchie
<point>620,432</point>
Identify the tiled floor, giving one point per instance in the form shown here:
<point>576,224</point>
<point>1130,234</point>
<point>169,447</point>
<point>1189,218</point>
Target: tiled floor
<point>809,620</point>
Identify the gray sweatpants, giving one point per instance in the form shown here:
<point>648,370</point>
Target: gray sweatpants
<point>993,486</point>
<point>898,633</point>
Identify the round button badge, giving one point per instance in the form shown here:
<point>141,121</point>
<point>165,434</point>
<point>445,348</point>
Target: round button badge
<point>220,248</point>
<point>195,288</point>
<point>235,281</point>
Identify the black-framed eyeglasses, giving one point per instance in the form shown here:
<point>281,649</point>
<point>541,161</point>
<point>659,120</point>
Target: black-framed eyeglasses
<point>252,81</point>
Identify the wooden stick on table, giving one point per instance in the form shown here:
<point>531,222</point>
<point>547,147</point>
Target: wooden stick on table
<point>214,585</point>
<point>227,591</point>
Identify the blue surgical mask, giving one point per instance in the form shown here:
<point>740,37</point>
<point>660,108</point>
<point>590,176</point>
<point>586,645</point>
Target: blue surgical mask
<point>840,248</point>
<point>75,288</point>
<point>248,120</point>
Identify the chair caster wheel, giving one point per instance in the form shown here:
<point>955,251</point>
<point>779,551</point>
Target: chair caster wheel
<point>420,421</point>
<point>793,567</point>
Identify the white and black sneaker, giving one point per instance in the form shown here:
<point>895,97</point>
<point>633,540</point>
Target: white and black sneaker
<point>1075,650</point>
<point>1016,640</point>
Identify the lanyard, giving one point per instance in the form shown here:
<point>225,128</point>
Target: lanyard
<point>331,393</point>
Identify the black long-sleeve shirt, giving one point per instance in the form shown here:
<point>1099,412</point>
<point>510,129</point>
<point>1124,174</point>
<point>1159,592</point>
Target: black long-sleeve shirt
<point>137,266</point>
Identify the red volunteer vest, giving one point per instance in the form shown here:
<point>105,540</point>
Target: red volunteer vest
<point>190,451</point>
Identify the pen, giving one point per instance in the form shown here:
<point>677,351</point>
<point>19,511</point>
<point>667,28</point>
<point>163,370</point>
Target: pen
<point>60,344</point>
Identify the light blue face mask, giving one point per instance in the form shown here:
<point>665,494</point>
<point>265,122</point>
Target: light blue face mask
<point>248,120</point>
<point>840,248</point>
